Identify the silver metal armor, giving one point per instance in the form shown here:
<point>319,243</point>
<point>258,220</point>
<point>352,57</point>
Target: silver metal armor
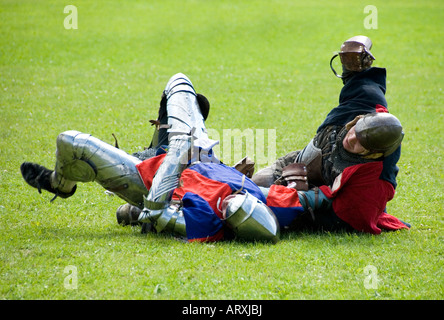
<point>250,218</point>
<point>185,117</point>
<point>167,176</point>
<point>157,204</point>
<point>187,136</point>
<point>81,157</point>
<point>169,219</point>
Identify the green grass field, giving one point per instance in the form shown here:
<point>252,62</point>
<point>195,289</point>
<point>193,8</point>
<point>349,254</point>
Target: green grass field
<point>263,65</point>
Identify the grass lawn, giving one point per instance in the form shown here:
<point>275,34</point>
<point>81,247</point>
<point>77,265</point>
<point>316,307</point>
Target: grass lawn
<point>263,65</point>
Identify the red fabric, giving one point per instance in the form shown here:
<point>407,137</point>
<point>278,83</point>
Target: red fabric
<point>148,168</point>
<point>217,237</point>
<point>381,108</point>
<point>212,191</point>
<point>283,197</point>
<point>360,197</point>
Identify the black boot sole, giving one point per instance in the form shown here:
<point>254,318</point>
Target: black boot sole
<point>39,177</point>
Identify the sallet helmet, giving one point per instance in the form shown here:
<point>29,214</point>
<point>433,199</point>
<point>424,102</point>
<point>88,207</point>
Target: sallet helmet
<point>250,218</point>
<point>379,133</point>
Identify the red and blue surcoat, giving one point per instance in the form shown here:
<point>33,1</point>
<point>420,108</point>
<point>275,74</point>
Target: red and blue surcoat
<point>204,186</point>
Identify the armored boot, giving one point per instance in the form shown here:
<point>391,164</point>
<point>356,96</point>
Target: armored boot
<point>40,177</point>
<point>355,57</point>
<point>169,219</point>
<point>128,214</point>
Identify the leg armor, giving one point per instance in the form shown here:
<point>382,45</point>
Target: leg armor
<point>158,209</point>
<point>187,138</point>
<point>167,176</point>
<point>185,116</point>
<point>83,158</point>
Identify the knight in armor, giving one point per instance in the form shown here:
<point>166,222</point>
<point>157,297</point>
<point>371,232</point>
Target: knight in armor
<point>352,158</point>
<point>176,186</point>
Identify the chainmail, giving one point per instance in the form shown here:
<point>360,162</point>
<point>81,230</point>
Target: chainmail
<point>145,154</point>
<point>334,157</point>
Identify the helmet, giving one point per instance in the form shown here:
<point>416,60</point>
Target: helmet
<point>250,218</point>
<point>355,54</point>
<point>379,132</point>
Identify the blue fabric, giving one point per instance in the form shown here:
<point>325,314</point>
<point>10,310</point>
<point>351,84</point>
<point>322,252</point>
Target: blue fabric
<point>229,175</point>
<point>390,169</point>
<point>161,150</point>
<point>285,216</point>
<point>201,221</point>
